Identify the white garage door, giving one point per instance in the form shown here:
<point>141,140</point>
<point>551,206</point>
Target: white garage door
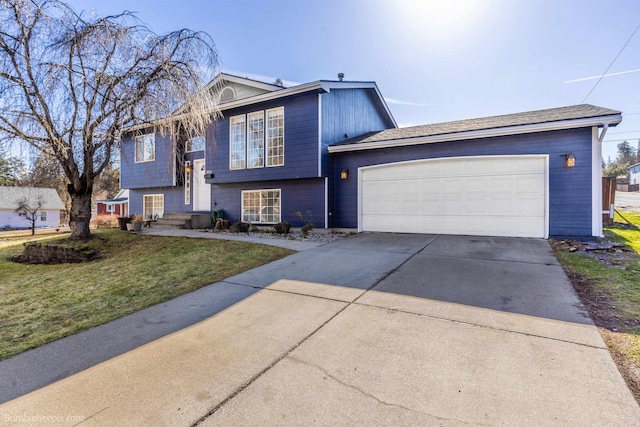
<point>487,196</point>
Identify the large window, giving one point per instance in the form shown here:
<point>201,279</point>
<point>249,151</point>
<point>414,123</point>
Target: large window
<point>145,146</point>
<point>275,137</point>
<point>153,206</point>
<point>195,144</point>
<point>255,140</point>
<point>252,136</point>
<point>261,206</point>
<point>237,142</point>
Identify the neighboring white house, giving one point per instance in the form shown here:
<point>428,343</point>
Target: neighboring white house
<point>47,216</point>
<point>634,174</point>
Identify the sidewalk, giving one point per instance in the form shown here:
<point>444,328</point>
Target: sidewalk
<point>294,245</point>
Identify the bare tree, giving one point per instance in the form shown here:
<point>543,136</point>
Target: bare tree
<point>30,208</point>
<point>70,84</point>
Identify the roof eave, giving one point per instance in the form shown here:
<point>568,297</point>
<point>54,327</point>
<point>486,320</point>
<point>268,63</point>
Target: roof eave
<point>272,95</point>
<point>610,120</point>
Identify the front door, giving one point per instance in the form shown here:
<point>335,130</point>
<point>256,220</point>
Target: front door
<point>201,190</point>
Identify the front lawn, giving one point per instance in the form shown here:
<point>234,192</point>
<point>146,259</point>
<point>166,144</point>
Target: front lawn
<point>608,283</point>
<point>42,303</point>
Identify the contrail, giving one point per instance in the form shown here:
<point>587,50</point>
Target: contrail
<point>603,75</point>
<point>400,102</point>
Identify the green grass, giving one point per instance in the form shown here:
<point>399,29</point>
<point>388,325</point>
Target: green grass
<point>621,287</point>
<point>628,236</point>
<point>42,303</point>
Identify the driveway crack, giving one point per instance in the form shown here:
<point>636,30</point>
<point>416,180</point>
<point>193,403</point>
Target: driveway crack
<point>372,396</point>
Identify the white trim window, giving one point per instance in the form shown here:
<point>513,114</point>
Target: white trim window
<point>237,135</point>
<point>153,206</point>
<point>256,139</point>
<point>145,148</point>
<point>195,144</point>
<point>261,206</point>
<point>275,137</point>
<point>43,216</point>
<point>110,208</point>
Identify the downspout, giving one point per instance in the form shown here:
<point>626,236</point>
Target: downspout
<point>596,179</point>
<point>603,133</point>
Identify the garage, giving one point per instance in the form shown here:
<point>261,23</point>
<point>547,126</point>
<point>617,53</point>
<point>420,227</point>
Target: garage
<point>482,195</point>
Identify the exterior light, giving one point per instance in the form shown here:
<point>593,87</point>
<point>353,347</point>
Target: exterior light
<point>571,160</point>
<point>187,166</point>
<point>344,174</point>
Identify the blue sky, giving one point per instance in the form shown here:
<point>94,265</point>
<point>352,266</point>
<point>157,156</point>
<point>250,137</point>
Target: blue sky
<point>434,61</point>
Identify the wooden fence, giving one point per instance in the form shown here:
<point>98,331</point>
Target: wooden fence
<point>608,200</point>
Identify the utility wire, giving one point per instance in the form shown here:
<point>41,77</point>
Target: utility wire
<point>610,65</point>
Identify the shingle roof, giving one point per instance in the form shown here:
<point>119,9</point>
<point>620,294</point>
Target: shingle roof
<point>10,197</point>
<point>582,111</point>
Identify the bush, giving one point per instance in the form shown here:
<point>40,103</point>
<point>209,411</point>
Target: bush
<point>306,229</point>
<point>222,224</point>
<point>240,227</point>
<point>282,227</point>
<point>106,221</point>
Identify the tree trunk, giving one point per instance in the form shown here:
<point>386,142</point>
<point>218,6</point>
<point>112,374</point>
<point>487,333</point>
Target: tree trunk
<point>80,214</point>
<point>33,225</point>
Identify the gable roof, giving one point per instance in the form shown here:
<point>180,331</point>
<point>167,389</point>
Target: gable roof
<point>222,77</point>
<point>319,85</point>
<point>272,91</point>
<point>121,197</point>
<point>575,116</point>
<point>10,196</point>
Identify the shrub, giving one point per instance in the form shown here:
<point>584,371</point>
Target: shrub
<point>106,221</point>
<point>222,224</point>
<point>306,229</point>
<point>282,227</point>
<point>240,227</point>
<point>308,224</point>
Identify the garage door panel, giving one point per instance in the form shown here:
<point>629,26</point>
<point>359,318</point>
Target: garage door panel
<point>530,184</point>
<point>498,196</point>
<point>500,185</point>
<point>430,187</point>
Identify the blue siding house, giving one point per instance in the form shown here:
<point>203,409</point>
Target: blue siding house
<point>332,148</point>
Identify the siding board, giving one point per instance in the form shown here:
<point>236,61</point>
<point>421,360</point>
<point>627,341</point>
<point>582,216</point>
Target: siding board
<point>299,195</point>
<point>157,173</point>
<point>300,143</point>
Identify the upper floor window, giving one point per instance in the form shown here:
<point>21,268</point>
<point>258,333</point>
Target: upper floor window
<point>257,139</point>
<point>237,143</point>
<point>195,144</point>
<point>275,137</point>
<point>145,146</point>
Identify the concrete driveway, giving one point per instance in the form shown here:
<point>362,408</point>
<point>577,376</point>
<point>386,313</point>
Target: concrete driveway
<point>374,329</point>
